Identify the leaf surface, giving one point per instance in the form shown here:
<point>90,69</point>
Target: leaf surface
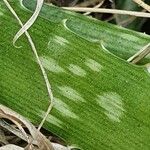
<point>101,101</point>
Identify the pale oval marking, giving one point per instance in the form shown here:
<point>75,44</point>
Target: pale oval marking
<point>1,14</point>
<point>112,103</point>
<point>60,40</point>
<point>77,70</point>
<point>70,93</point>
<point>51,65</point>
<point>93,65</point>
<point>64,108</point>
<point>51,119</point>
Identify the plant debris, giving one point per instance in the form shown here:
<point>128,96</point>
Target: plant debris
<point>34,138</point>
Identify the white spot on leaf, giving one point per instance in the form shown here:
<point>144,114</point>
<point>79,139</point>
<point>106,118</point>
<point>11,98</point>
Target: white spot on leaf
<point>51,119</point>
<point>51,65</point>
<point>64,108</point>
<point>93,65</point>
<point>70,93</point>
<point>1,14</point>
<point>112,103</point>
<point>77,70</point>
<point>60,40</point>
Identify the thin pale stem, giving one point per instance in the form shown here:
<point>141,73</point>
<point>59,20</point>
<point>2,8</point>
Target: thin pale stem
<point>140,54</point>
<point>97,6</point>
<point>109,11</point>
<point>143,4</point>
<point>30,22</point>
<point>39,62</point>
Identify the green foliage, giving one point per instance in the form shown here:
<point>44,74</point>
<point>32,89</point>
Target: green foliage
<point>123,45</point>
<point>101,101</point>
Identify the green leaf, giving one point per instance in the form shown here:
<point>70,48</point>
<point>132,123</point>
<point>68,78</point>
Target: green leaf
<point>123,45</point>
<point>101,101</point>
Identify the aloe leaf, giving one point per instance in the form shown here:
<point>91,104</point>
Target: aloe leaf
<point>123,45</point>
<point>101,101</point>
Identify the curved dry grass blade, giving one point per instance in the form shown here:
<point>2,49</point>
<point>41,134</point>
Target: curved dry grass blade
<point>31,20</point>
<point>81,114</point>
<point>36,136</point>
<point>11,147</point>
<point>3,139</point>
<point>140,54</point>
<point>14,130</point>
<point>59,147</point>
<point>97,6</point>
